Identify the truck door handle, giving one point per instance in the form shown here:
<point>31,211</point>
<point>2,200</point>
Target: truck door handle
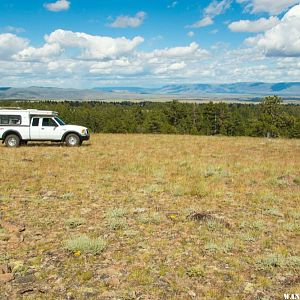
<point>42,128</point>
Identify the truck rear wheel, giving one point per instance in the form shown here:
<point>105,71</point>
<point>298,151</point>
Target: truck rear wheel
<point>73,140</point>
<point>12,141</point>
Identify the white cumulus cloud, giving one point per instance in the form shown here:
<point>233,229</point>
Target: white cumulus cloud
<point>14,29</point>
<point>176,51</point>
<point>283,39</point>
<point>173,4</point>
<point>36,54</point>
<point>273,7</point>
<point>259,25</point>
<point>69,59</point>
<point>93,46</point>
<point>128,21</point>
<point>214,9</point>
<point>59,5</point>
<point>10,44</point>
<point>206,21</point>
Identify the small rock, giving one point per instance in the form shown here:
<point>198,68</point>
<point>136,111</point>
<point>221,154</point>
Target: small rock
<point>4,269</point>
<point>70,296</point>
<point>48,195</point>
<point>249,288</point>
<point>6,277</point>
<point>192,293</point>
<point>113,282</point>
<point>22,228</point>
<point>281,279</point>
<point>110,272</point>
<point>108,294</point>
<point>25,279</point>
<point>89,293</point>
<point>139,210</point>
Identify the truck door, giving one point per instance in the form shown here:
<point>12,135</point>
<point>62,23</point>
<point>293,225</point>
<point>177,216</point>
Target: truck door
<point>49,130</point>
<point>35,129</point>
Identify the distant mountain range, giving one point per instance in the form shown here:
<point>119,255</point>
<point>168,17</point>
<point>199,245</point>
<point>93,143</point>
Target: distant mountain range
<point>235,91</point>
<point>255,88</point>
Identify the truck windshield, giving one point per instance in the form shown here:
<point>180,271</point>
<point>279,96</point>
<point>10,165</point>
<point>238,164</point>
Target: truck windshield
<point>59,121</point>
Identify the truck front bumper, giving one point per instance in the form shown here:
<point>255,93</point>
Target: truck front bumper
<point>85,137</point>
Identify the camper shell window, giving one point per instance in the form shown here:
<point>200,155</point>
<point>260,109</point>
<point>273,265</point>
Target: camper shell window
<point>10,120</point>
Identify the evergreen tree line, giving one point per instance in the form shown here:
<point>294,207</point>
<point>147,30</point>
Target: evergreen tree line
<point>269,118</point>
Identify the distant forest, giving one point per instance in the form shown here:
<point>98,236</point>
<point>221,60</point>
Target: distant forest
<point>269,118</point>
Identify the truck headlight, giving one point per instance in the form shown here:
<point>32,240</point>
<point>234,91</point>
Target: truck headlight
<point>83,131</point>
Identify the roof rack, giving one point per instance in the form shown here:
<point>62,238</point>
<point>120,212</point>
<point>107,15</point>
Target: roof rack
<point>32,111</point>
<point>41,112</point>
<point>12,108</point>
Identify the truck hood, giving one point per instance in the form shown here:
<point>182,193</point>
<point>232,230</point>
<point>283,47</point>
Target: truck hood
<point>73,128</point>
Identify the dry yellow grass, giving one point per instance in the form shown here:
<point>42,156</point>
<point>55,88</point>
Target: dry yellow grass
<point>139,195</point>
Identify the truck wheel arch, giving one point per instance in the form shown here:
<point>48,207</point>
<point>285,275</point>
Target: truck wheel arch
<point>8,132</point>
<point>69,132</point>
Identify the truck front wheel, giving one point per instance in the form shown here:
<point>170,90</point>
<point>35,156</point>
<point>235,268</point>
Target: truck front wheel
<point>12,141</point>
<point>73,140</point>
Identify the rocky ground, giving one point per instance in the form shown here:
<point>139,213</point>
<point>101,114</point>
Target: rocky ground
<point>151,217</point>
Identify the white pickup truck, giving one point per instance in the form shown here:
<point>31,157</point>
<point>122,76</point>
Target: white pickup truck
<point>18,126</point>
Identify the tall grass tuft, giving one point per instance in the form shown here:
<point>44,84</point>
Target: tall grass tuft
<point>84,244</point>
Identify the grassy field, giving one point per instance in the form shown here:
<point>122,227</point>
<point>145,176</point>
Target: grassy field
<point>151,217</point>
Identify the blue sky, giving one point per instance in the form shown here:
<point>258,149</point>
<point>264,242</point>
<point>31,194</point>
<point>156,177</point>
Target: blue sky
<point>93,17</point>
<point>148,43</point>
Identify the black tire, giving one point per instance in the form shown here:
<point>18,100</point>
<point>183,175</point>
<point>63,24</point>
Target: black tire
<point>72,140</point>
<point>12,141</point>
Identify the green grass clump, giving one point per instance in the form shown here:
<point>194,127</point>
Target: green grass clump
<point>67,196</point>
<point>296,180</point>
<point>213,225</point>
<point>279,261</point>
<point>292,227</point>
<point>271,260</point>
<point>75,222</point>
<point>116,213</point>
<point>154,218</point>
<point>116,224</point>
<point>195,272</point>
<point>84,244</point>
<point>152,188</point>
<point>115,218</point>
<point>212,247</point>
<point>215,171</point>
<point>257,225</point>
<point>248,238</point>
<point>3,234</point>
<point>273,212</point>
<point>178,190</point>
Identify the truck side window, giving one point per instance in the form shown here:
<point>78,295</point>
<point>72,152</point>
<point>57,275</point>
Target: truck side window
<point>4,120</point>
<point>14,120</point>
<point>48,122</point>
<point>35,122</point>
<point>10,120</point>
